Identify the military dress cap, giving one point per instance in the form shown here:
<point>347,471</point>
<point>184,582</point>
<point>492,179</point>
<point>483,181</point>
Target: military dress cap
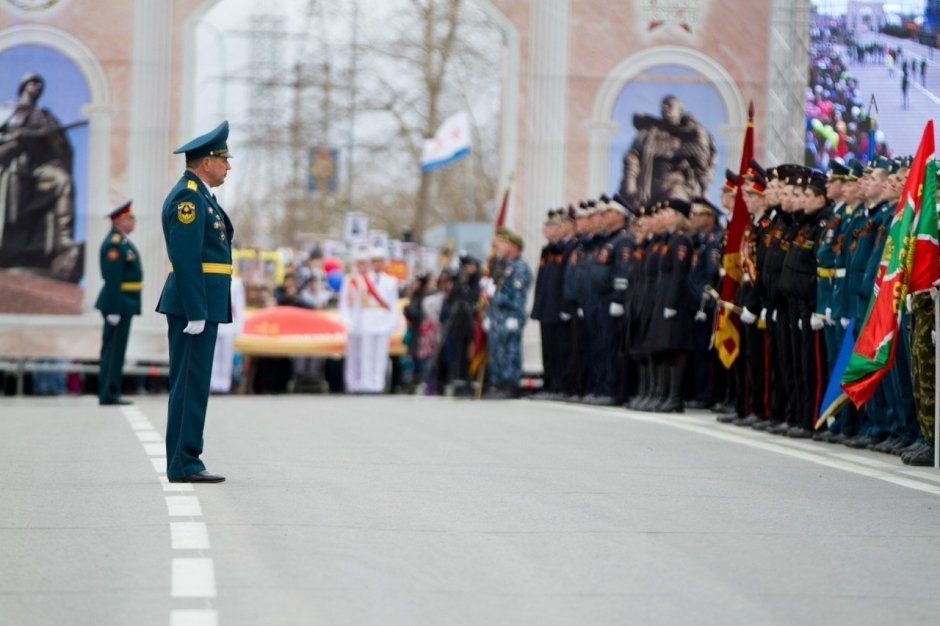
<point>602,201</point>
<point>621,204</point>
<point>838,171</point>
<point>571,213</point>
<point>856,169</point>
<point>815,180</point>
<point>703,201</point>
<point>507,235</point>
<point>212,143</point>
<point>124,209</point>
<point>790,173</point>
<point>677,204</point>
<point>755,178</point>
<point>879,163</point>
<point>731,181</point>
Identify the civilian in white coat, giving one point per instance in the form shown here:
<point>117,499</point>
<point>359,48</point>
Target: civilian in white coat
<point>223,360</point>
<point>368,303</point>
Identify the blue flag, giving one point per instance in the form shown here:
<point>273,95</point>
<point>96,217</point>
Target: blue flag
<point>835,398</point>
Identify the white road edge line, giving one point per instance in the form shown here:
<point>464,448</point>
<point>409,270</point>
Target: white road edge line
<point>855,466</point>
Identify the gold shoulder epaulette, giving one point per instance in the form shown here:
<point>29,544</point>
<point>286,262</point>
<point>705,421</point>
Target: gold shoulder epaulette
<point>115,238</point>
<point>191,184</point>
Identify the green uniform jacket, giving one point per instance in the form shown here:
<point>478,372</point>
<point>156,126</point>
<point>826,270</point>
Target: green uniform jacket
<point>123,276</point>
<point>198,237</point>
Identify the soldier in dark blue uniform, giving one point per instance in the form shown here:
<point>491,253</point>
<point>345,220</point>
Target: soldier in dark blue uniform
<point>576,297</point>
<point>651,379</point>
<point>546,307</point>
<point>707,238</point>
<point>196,297</point>
<point>118,301</point>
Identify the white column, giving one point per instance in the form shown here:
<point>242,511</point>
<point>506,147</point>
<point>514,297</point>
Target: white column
<point>546,113</point>
<point>148,152</point>
<point>99,202</point>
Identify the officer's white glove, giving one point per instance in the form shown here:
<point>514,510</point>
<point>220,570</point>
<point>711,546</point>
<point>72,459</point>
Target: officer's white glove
<point>113,318</point>
<point>763,315</point>
<point>668,313</point>
<point>773,316</point>
<point>512,324</point>
<point>829,319</point>
<point>580,313</point>
<point>845,322</point>
<point>747,317</point>
<point>489,287</point>
<point>565,317</point>
<point>700,316</point>
<point>799,324</point>
<point>816,322</point>
<point>908,300</point>
<point>616,309</point>
<point>486,324</point>
<point>195,327</point>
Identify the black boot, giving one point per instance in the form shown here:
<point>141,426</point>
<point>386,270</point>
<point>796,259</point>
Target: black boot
<point>672,402</point>
<point>642,388</point>
<point>658,388</point>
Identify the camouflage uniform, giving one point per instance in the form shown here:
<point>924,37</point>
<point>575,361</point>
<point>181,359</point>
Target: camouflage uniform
<point>505,344</point>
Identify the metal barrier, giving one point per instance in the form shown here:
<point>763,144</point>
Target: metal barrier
<point>20,367</point>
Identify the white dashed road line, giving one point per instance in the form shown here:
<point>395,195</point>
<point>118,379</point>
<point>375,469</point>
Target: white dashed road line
<point>192,573</point>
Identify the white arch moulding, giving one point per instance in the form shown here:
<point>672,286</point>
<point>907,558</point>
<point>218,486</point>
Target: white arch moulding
<point>601,125</point>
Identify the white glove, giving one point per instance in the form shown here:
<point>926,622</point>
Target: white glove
<point>616,309</point>
<point>763,315</point>
<point>908,300</point>
<point>565,317</point>
<point>486,324</point>
<point>845,322</point>
<point>489,287</point>
<point>773,317</point>
<point>580,313</point>
<point>799,323</point>
<point>113,318</point>
<point>668,313</point>
<point>816,322</point>
<point>747,317</point>
<point>195,327</point>
<point>829,319</point>
<point>700,316</point>
<point>512,324</point>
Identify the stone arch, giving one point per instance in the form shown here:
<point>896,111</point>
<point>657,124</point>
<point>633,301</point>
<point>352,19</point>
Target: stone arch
<point>600,127</point>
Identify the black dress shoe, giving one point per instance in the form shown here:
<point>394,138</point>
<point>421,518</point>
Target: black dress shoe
<point>696,404</point>
<point>823,435</point>
<point>779,429</point>
<point>923,458</point>
<point>727,419</point>
<point>199,477</point>
<point>118,402</point>
<point>764,424</point>
<point>799,433</point>
<point>750,420</point>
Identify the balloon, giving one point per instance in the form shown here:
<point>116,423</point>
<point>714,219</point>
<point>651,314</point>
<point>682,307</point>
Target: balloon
<point>816,124</point>
<point>334,279</point>
<point>331,263</point>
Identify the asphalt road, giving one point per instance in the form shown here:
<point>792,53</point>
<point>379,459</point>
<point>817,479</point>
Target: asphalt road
<point>414,511</point>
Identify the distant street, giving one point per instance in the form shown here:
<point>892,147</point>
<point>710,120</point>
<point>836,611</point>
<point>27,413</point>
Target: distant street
<point>902,127</point>
<point>423,511</point>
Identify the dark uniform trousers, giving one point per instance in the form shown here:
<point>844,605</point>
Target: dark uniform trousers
<point>554,359</point>
<point>113,348</point>
<point>755,346</point>
<point>811,366</point>
<point>189,394</point>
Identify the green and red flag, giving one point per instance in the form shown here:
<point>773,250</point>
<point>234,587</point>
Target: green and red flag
<point>874,350</point>
<point>925,262</point>
<point>727,327</point>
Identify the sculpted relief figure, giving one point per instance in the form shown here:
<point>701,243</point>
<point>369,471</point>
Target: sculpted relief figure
<point>671,157</point>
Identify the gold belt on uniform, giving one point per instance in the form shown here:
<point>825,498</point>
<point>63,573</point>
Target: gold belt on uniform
<point>215,268</point>
<point>132,286</point>
<point>826,272</point>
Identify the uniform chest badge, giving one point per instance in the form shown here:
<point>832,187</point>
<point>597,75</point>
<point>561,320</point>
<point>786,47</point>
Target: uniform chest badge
<point>681,253</point>
<point>131,256</point>
<point>114,254</point>
<point>186,212</point>
<point>603,255</point>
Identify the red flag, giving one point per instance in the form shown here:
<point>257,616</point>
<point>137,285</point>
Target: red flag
<point>501,216</point>
<point>727,328</point>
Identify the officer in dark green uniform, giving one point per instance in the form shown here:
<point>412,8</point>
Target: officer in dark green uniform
<point>196,297</point>
<point>118,301</point>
